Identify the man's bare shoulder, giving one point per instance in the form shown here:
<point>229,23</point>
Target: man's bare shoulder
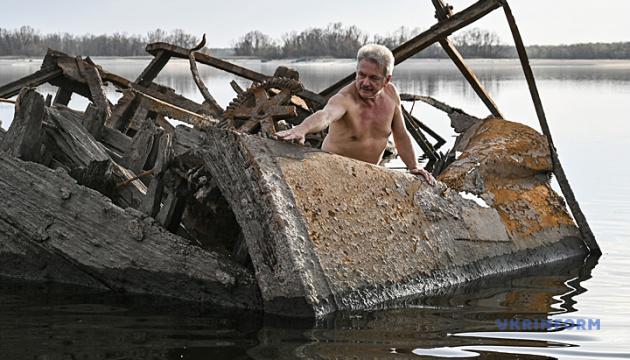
<point>343,97</point>
<point>392,91</point>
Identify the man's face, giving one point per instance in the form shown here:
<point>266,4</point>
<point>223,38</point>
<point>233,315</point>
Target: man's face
<point>370,79</point>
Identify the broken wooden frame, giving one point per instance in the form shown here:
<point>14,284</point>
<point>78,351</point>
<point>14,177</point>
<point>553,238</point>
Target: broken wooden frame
<point>125,112</point>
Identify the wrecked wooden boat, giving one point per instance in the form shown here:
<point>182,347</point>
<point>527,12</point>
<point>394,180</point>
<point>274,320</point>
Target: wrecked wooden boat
<point>218,212</point>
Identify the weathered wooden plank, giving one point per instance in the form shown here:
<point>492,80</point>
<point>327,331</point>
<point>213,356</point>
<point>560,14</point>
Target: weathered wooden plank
<point>72,86</point>
<point>62,96</point>
<point>161,121</point>
<point>93,79</point>
<point>139,117</point>
<point>78,146</point>
<point>23,139</point>
<point>115,140</point>
<point>152,70</point>
<point>35,79</point>
<point>123,109</point>
<point>141,145</point>
<point>62,232</point>
<point>151,203</point>
<point>177,51</point>
<point>170,215</point>
<point>94,120</point>
<point>442,13</point>
<point>429,37</point>
<point>177,107</point>
<point>74,147</point>
<point>132,193</point>
<point>585,230</point>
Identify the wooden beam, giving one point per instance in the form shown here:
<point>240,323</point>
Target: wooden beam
<point>182,53</point>
<point>63,96</point>
<point>93,79</point>
<point>442,13</point>
<point>434,34</point>
<point>141,145</point>
<point>578,215</point>
<point>24,137</point>
<point>35,79</point>
<point>152,70</point>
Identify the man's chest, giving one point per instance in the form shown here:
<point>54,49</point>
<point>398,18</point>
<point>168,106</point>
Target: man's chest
<point>375,120</point>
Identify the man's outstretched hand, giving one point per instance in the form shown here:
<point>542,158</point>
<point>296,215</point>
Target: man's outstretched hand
<point>425,174</point>
<point>293,134</point>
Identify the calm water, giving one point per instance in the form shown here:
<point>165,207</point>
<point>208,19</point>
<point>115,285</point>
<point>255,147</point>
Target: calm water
<point>587,105</point>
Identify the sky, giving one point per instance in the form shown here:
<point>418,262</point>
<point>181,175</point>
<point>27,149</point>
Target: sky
<point>541,22</point>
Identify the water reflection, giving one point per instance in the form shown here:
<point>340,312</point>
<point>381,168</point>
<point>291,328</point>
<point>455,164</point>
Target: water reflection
<point>58,322</point>
<point>445,324</point>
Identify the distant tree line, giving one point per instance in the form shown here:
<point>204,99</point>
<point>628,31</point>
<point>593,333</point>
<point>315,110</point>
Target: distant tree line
<point>334,40</point>
<point>26,41</point>
<point>339,41</point>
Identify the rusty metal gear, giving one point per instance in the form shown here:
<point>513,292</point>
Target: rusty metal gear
<point>260,107</point>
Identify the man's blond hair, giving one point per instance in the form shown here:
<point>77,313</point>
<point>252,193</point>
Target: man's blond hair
<point>379,54</point>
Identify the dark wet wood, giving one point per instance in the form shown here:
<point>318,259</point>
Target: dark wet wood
<point>62,96</point>
<point>585,230</point>
<point>62,232</point>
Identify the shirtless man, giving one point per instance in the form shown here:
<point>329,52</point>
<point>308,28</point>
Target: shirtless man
<point>363,115</point>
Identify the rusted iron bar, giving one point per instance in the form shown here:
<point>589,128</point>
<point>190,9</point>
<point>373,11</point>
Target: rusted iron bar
<point>35,79</point>
<point>430,101</point>
<point>440,140</point>
<point>180,52</point>
<point>442,13</point>
<point>578,215</point>
<point>420,139</point>
<point>132,179</point>
<point>437,32</point>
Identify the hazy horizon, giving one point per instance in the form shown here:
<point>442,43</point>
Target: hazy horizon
<point>226,22</point>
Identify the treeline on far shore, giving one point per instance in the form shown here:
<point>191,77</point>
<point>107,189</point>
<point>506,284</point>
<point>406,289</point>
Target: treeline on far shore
<point>334,40</point>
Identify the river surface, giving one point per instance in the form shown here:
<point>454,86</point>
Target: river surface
<point>588,107</point>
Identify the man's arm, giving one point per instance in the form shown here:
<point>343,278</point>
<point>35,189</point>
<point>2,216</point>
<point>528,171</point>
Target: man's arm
<point>402,140</point>
<point>334,110</point>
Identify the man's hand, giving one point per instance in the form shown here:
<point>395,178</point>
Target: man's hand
<point>293,134</point>
<point>425,174</point>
